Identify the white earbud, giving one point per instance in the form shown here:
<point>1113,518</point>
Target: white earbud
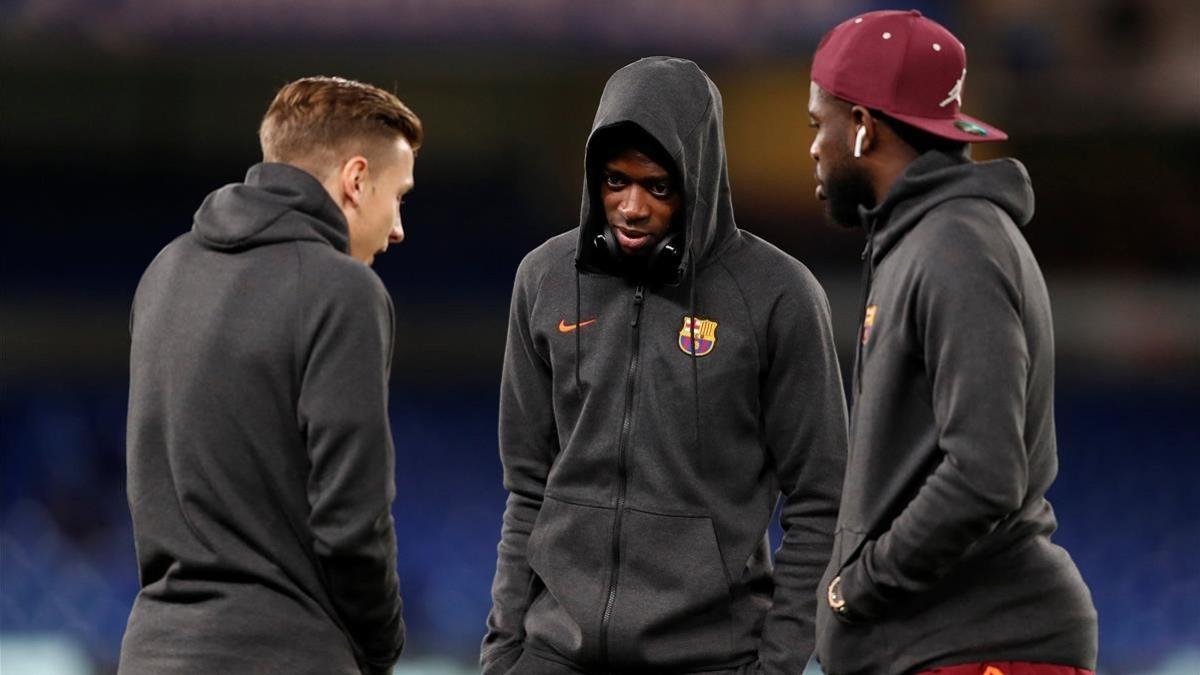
<point>858,141</point>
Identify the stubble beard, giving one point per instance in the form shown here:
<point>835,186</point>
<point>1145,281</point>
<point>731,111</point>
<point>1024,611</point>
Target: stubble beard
<point>846,189</point>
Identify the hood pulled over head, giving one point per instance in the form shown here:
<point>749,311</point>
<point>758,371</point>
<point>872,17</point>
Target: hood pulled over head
<point>673,103</point>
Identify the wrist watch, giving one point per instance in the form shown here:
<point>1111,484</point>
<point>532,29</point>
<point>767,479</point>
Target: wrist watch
<point>836,602</point>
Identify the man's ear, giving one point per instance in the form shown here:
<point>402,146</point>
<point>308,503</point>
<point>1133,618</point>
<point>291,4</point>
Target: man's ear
<point>863,125</point>
<point>353,179</point>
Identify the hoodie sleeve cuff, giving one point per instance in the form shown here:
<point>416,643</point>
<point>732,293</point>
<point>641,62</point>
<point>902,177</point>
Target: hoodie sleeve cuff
<point>864,602</point>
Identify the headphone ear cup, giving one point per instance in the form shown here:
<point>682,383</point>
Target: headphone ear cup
<point>607,246</point>
<point>665,258</point>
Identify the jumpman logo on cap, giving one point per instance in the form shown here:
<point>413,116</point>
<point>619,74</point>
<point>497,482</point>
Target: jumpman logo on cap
<point>955,93</point>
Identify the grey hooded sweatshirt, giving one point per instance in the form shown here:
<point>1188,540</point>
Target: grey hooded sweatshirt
<point>641,478</point>
<point>260,462</point>
<point>943,541</point>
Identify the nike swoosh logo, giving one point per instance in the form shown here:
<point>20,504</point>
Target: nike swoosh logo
<point>564,327</point>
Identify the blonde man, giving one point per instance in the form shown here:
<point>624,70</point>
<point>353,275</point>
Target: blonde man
<point>260,461</point>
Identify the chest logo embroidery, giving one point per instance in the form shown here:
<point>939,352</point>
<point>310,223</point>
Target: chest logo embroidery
<point>564,327</point>
<point>868,322</point>
<point>706,336</point>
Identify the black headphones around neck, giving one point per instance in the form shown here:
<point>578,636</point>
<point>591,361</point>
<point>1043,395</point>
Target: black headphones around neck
<point>660,265</point>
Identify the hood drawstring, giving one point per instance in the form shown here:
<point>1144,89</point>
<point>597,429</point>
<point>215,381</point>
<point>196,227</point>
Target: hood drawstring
<point>692,324</point>
<point>868,257</point>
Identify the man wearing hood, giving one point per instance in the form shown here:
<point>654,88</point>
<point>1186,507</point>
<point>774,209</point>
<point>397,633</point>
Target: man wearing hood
<point>260,460</point>
<point>943,560</point>
<point>666,377</point>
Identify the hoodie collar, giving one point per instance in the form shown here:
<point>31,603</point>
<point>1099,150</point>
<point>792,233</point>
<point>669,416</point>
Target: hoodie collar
<point>276,203</point>
<point>675,103</point>
<point>936,177</point>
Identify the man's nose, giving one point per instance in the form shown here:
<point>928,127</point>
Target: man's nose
<point>635,206</point>
<point>397,234</point>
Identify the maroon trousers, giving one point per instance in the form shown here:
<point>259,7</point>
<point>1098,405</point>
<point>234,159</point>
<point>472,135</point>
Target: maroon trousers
<point>1007,668</point>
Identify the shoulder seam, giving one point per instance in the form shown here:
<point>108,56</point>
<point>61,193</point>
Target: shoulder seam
<point>759,345</point>
<point>298,317</point>
<point>1001,217</point>
<point>537,293</point>
<point>1019,281</point>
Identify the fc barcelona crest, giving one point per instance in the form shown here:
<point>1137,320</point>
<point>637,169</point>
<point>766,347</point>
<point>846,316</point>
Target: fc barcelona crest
<point>706,336</point>
<point>868,323</point>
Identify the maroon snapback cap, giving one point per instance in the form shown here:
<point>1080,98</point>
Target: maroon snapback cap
<point>904,65</point>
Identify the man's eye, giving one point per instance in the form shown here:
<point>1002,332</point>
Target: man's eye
<point>614,181</point>
<point>661,190</point>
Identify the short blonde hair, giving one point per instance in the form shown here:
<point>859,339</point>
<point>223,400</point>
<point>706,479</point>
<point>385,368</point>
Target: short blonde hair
<point>315,122</point>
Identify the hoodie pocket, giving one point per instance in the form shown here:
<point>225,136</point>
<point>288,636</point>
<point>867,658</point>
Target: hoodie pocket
<point>569,550</point>
<point>672,606</point>
<point>843,647</point>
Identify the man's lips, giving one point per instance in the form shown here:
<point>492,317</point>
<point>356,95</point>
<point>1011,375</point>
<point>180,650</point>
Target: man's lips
<point>820,192</point>
<point>631,240</point>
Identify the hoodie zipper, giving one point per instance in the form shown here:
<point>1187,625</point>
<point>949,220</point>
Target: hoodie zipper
<point>868,257</point>
<point>626,423</point>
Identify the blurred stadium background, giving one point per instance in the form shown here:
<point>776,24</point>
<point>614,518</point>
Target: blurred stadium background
<point>118,116</point>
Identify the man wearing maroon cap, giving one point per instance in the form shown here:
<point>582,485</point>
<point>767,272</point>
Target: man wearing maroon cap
<point>942,559</point>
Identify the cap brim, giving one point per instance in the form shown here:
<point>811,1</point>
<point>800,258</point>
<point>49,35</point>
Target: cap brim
<point>962,128</point>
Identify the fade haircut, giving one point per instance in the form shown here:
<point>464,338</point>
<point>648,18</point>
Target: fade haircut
<point>316,122</point>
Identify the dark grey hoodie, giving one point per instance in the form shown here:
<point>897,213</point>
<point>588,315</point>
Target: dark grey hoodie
<point>642,479</point>
<point>260,460</point>
<point>943,539</point>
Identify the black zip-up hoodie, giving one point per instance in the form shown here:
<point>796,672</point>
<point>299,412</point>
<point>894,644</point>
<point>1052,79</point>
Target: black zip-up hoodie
<point>642,479</point>
<point>260,459</point>
<point>943,540</point>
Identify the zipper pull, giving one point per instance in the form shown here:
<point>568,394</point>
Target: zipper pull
<point>866,250</point>
<point>638,296</point>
